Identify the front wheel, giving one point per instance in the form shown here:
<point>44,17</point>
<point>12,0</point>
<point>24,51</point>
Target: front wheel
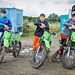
<point>39,57</point>
<point>55,57</point>
<point>16,48</point>
<point>2,54</point>
<point>69,59</point>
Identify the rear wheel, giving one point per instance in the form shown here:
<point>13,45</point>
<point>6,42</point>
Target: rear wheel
<point>16,48</point>
<point>39,57</point>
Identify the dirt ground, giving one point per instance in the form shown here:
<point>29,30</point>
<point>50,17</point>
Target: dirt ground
<point>22,66</point>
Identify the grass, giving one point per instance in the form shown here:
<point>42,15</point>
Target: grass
<point>28,36</point>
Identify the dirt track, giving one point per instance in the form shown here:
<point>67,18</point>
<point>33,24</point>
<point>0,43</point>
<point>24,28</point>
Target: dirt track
<point>22,66</point>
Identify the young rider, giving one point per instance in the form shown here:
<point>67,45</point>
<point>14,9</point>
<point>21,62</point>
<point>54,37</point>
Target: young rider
<point>4,21</point>
<point>71,22</point>
<point>65,35</point>
<point>41,24</point>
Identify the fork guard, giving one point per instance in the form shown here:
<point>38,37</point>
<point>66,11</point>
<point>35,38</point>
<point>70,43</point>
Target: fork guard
<point>6,43</point>
<point>47,44</point>
<point>7,38</point>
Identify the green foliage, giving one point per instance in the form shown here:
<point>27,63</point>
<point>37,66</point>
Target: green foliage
<point>53,18</point>
<point>28,23</point>
<point>30,19</point>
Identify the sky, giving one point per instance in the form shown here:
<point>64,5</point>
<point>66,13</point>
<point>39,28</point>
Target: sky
<point>35,7</point>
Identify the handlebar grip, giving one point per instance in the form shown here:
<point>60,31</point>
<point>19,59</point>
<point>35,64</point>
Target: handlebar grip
<point>1,25</point>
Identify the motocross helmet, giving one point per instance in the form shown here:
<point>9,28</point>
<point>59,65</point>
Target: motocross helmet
<point>73,10</point>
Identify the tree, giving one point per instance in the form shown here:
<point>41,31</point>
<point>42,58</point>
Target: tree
<point>53,18</point>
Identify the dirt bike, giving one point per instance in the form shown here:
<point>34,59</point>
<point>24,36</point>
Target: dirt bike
<point>69,52</point>
<point>42,51</point>
<point>10,43</point>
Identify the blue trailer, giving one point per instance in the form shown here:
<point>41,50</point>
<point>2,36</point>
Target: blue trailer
<point>63,18</point>
<point>16,17</point>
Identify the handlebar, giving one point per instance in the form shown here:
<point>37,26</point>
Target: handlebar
<point>70,26</point>
<point>4,27</point>
<point>1,26</point>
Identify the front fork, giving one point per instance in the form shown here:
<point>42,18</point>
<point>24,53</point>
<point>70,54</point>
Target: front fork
<point>7,42</point>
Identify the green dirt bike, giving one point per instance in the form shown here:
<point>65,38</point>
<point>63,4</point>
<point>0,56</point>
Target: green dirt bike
<point>10,43</point>
<point>40,56</point>
<point>69,51</point>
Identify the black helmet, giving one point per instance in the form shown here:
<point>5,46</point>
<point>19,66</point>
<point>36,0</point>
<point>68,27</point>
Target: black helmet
<point>73,10</point>
<point>3,10</point>
<point>42,14</point>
